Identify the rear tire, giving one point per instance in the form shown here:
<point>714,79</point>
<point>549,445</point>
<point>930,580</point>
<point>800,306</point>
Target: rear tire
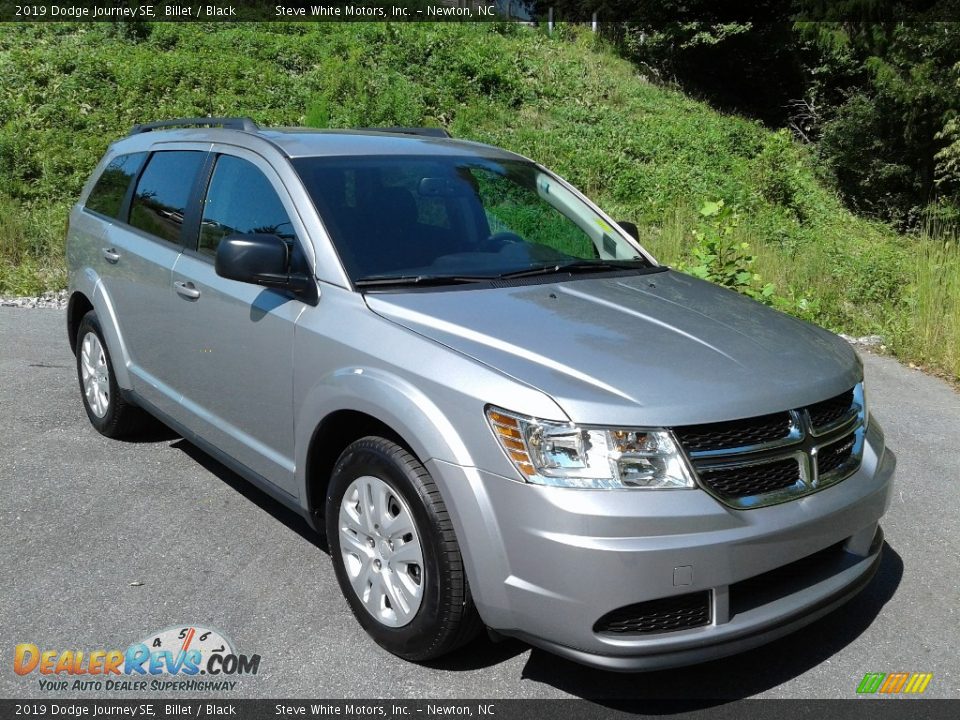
<point>109,413</point>
<point>395,553</point>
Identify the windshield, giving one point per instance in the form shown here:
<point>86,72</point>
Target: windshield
<point>457,217</point>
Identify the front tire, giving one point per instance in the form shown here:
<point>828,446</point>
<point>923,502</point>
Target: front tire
<point>395,553</point>
<point>109,413</point>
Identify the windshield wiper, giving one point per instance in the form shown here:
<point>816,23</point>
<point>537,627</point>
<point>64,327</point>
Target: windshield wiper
<point>580,266</point>
<point>373,281</point>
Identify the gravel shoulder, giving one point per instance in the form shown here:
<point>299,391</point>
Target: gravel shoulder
<point>50,300</point>
<point>103,542</point>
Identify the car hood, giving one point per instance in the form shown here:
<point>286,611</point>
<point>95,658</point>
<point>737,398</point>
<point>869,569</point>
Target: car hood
<point>654,349</point>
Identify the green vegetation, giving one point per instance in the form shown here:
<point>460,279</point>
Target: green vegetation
<point>931,325</point>
<point>645,153</point>
<point>873,85</point>
<point>717,255</point>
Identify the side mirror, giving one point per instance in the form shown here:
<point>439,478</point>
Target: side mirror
<point>630,228</point>
<point>259,259</point>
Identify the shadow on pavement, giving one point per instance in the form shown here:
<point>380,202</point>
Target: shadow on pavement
<point>479,653</point>
<point>290,518</point>
<point>153,431</point>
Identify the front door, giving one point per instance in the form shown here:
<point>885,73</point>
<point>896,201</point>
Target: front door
<point>236,374</point>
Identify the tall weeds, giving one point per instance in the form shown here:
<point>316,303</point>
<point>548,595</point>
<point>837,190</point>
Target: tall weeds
<point>931,331</point>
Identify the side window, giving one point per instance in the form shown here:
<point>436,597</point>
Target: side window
<point>161,197</point>
<point>107,195</point>
<point>240,200</point>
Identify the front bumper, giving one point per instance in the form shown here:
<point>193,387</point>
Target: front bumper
<point>544,564</point>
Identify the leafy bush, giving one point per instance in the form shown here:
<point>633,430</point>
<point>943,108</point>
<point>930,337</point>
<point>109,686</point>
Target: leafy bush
<point>889,92</point>
<point>719,257</point>
<point>782,178</point>
<point>948,157</point>
<point>854,147</point>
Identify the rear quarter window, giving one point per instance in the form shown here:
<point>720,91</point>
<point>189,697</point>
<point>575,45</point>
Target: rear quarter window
<point>160,200</point>
<point>107,195</point>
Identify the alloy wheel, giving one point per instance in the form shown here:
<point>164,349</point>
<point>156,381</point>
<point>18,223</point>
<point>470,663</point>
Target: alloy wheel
<point>94,374</point>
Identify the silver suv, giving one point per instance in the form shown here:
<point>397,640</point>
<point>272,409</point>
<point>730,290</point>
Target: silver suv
<point>498,407</point>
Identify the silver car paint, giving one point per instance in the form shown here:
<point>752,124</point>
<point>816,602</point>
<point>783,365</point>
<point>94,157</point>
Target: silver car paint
<point>216,384</point>
<point>569,556</point>
<point>657,350</point>
<point>543,563</point>
<point>220,377</point>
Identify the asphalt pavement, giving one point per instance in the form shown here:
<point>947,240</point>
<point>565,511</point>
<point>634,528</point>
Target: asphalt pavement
<point>104,542</point>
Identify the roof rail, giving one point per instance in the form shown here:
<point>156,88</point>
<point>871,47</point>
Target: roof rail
<point>232,123</point>
<point>427,131</point>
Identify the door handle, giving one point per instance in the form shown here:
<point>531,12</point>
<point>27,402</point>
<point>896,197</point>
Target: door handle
<point>111,255</point>
<point>187,290</point>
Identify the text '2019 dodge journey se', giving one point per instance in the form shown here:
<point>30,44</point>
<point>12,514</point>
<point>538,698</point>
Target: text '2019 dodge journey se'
<point>500,409</point>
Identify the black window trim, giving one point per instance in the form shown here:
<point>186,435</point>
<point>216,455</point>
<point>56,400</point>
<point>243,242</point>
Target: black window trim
<point>190,234</point>
<point>127,202</point>
<point>206,173</point>
<point>191,197</point>
<point>194,216</point>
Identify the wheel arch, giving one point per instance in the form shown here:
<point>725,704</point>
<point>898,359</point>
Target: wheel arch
<point>87,292</point>
<point>351,404</point>
<point>78,306</point>
<point>330,438</point>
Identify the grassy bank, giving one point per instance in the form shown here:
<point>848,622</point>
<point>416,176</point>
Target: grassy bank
<point>930,330</point>
<point>646,153</point>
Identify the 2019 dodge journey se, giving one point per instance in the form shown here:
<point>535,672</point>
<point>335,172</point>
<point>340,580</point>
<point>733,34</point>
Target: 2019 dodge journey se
<point>497,405</point>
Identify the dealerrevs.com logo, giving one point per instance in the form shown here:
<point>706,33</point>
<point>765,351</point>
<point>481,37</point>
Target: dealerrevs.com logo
<point>185,658</point>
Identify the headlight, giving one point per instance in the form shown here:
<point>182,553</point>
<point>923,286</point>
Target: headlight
<point>563,454</point>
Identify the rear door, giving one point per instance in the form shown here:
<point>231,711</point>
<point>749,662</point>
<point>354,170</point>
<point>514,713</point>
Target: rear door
<point>140,250</point>
<point>106,205</point>
<point>235,340</point>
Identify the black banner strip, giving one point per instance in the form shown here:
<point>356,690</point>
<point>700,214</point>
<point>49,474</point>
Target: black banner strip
<point>642,12</point>
<point>167,709</point>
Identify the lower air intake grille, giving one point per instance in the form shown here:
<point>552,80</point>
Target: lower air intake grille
<point>680,612</point>
<point>746,480</point>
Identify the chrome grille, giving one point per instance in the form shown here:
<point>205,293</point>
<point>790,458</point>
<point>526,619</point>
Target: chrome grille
<point>773,458</point>
<point>832,456</point>
<point>744,480</point>
<point>826,413</point>
<point>751,431</point>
